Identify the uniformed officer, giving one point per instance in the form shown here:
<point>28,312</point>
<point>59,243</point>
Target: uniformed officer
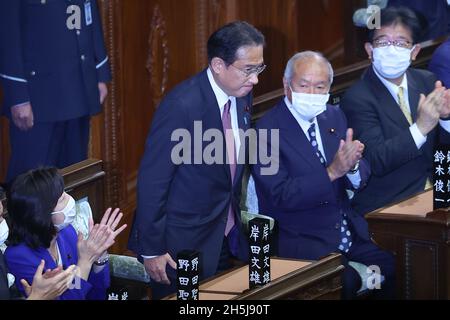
<point>54,69</point>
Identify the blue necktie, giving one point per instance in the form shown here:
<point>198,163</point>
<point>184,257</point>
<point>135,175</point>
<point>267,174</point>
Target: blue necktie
<point>346,235</point>
<point>314,144</point>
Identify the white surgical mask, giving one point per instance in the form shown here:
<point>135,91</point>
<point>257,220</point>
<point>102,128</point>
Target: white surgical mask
<point>308,106</point>
<point>391,62</point>
<point>69,212</point>
<point>4,231</point>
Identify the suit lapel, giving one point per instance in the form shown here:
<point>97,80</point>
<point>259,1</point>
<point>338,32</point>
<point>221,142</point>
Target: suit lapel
<point>386,101</point>
<point>65,255</point>
<point>328,134</point>
<point>413,94</point>
<point>292,133</point>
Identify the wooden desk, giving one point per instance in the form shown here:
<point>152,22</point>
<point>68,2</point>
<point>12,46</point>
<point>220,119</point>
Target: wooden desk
<point>291,279</point>
<point>419,238</point>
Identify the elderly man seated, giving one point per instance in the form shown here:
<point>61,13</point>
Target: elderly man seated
<point>318,162</point>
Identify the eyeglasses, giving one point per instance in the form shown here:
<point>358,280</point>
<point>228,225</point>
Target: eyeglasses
<point>249,71</point>
<point>396,43</point>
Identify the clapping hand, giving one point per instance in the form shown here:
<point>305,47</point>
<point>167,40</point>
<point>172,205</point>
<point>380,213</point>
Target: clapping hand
<point>350,151</point>
<point>50,285</point>
<point>433,107</point>
<point>101,237</point>
<point>112,220</point>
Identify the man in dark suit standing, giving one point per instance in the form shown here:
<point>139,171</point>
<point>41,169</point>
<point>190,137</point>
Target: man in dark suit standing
<point>54,69</point>
<point>318,162</point>
<point>434,13</point>
<point>440,63</point>
<point>395,111</point>
<point>193,203</point>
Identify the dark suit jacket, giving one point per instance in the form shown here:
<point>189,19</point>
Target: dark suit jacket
<point>23,261</point>
<point>440,63</point>
<point>46,63</point>
<point>301,197</point>
<point>399,169</point>
<point>4,289</point>
<point>185,206</point>
<point>434,12</point>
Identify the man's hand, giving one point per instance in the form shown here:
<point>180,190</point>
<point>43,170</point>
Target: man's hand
<point>156,267</point>
<point>103,91</point>
<point>48,286</point>
<point>445,111</point>
<point>346,158</point>
<point>22,116</point>
<point>431,108</point>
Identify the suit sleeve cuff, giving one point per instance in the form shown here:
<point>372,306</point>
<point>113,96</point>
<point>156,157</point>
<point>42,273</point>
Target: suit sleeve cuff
<point>419,138</point>
<point>15,93</point>
<point>103,70</point>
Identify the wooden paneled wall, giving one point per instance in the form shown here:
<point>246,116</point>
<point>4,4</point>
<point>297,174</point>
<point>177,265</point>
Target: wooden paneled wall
<point>155,44</point>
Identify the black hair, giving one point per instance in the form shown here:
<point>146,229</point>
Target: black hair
<point>404,16</point>
<point>225,42</point>
<point>31,200</point>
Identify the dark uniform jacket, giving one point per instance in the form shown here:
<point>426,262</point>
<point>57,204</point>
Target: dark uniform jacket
<point>47,60</point>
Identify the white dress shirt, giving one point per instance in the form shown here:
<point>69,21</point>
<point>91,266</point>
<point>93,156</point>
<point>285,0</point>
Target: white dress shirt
<point>355,178</point>
<point>222,99</point>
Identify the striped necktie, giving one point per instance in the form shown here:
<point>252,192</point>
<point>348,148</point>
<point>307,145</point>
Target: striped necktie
<point>403,105</point>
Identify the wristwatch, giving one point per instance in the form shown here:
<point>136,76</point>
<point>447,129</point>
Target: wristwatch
<point>102,260</point>
<point>355,168</point>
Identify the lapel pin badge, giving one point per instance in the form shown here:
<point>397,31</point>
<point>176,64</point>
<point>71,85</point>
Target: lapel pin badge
<point>332,130</point>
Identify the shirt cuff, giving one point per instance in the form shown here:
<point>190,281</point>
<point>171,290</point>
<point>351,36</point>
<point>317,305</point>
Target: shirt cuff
<point>21,104</point>
<point>148,257</point>
<point>418,137</point>
<point>355,179</point>
<point>445,124</point>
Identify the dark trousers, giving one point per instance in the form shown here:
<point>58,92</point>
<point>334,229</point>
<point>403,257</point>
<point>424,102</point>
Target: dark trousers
<point>58,144</point>
<point>367,253</point>
<point>160,291</point>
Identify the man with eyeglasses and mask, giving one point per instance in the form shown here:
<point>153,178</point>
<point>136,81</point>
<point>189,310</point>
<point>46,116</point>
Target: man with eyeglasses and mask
<point>397,112</point>
<point>193,204</point>
<point>318,162</point>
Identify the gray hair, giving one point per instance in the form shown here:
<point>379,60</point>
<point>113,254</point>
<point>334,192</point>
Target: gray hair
<point>289,71</point>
